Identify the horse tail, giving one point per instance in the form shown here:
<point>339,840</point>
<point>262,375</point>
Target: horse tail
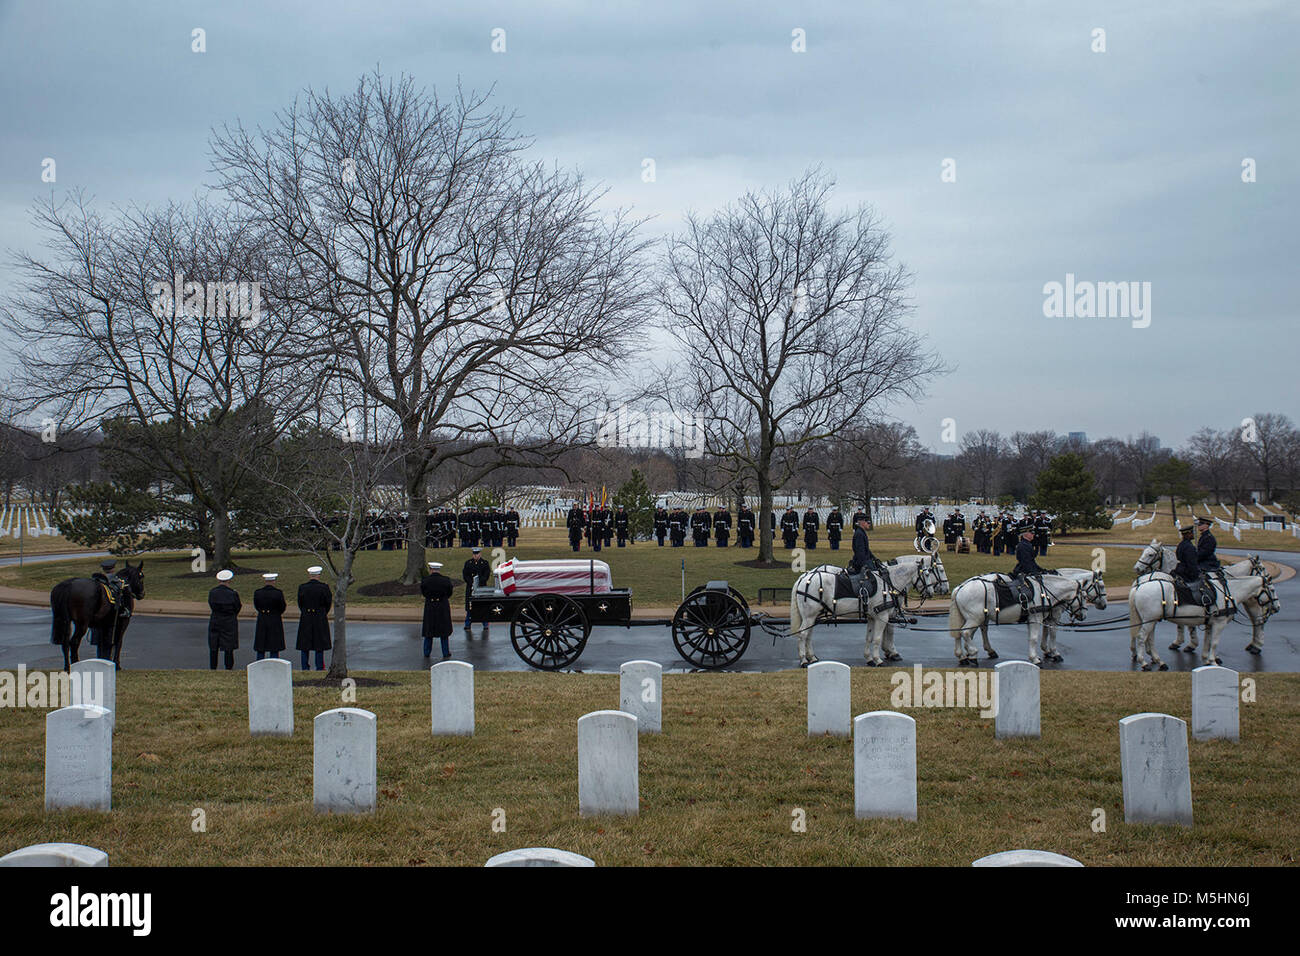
<point>796,620</point>
<point>1134,619</point>
<point>955,618</point>
<point>59,608</point>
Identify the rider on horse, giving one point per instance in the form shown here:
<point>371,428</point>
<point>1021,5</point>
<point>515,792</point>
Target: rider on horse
<point>113,592</point>
<point>864,562</point>
<point>1026,565</point>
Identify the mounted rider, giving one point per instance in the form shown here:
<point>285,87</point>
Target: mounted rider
<point>1201,562</point>
<point>1026,566</point>
<point>112,589</point>
<point>863,563</point>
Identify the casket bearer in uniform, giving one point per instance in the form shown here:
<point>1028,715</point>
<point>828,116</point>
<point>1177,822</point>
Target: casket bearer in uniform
<point>223,625</point>
<point>436,589</point>
<point>268,601</point>
<point>475,574</point>
<point>314,603</point>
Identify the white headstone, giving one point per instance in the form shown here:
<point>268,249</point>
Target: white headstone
<point>451,695</point>
<point>55,854</point>
<point>270,698</point>
<point>1214,703</point>
<point>1018,713</point>
<point>539,856</point>
<point>884,765</point>
<point>93,682</point>
<point>344,761</point>
<point>1153,761</point>
<point>608,782</point>
<point>79,758</point>
<point>1026,858</point>
<point>829,707</point>
<point>640,693</point>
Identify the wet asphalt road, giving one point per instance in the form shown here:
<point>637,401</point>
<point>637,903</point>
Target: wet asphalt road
<point>181,643</point>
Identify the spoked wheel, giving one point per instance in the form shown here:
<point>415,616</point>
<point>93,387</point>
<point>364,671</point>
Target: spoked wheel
<point>549,631</point>
<point>711,628</point>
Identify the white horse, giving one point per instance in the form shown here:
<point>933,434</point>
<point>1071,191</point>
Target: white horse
<point>1160,560</point>
<point>1153,600</point>
<point>975,604</point>
<point>1094,594</point>
<point>812,599</point>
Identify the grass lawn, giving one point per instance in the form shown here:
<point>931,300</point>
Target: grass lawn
<point>653,573</point>
<point>718,787</point>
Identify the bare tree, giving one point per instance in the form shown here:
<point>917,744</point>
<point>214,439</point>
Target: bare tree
<point>792,318</point>
<point>983,453</point>
<point>1210,452</point>
<point>103,334</point>
<point>1267,438</point>
<point>474,294</point>
<point>1140,455</point>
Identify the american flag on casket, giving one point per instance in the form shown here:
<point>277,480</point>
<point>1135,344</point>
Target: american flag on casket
<point>561,576</point>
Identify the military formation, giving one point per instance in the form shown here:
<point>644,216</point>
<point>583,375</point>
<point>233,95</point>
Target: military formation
<point>598,526</point>
<point>990,534</point>
<point>487,527</point>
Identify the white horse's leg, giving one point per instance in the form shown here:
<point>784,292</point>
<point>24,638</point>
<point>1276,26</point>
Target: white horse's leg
<point>1210,647</point>
<point>875,633</point>
<point>1178,641</point>
<point>1035,635</point>
<point>891,653</point>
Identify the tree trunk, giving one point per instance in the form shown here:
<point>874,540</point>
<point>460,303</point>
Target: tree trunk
<point>417,506</point>
<point>220,538</point>
<point>339,654</point>
<point>764,519</point>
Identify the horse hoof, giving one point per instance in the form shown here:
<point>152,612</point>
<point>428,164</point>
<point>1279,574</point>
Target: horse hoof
<point>871,663</point>
<point>1189,649</point>
<point>992,654</point>
<point>893,657</point>
<point>804,663</point>
<point>1219,661</point>
<point>1146,667</point>
<point>1253,649</point>
<point>1175,647</point>
<point>1164,666</point>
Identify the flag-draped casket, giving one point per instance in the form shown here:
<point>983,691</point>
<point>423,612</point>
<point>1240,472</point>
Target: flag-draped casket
<point>561,576</point>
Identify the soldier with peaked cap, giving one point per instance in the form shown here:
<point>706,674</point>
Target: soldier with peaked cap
<point>575,523</point>
<point>268,601</point>
<point>745,524</point>
<point>811,525</point>
<point>722,526</point>
<point>437,589</point>
<point>475,574</point>
<point>314,603</point>
<point>622,522</point>
<point>1206,547</point>
<point>223,625</point>
<point>834,528</point>
<point>789,527</point>
<point>661,525</point>
<point>512,527</point>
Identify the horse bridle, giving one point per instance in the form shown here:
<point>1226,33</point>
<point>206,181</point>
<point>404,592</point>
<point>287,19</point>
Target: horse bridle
<point>1154,565</point>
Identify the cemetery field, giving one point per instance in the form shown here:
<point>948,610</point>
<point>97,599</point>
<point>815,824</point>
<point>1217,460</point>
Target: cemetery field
<point>720,786</point>
<point>654,574</point>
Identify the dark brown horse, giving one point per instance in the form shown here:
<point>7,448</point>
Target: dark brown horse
<point>80,604</point>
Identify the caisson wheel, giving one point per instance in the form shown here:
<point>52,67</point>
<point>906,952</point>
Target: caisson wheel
<point>711,628</point>
<point>549,631</point>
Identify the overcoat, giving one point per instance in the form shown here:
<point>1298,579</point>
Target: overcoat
<point>314,603</point>
<point>223,625</point>
<point>436,589</point>
<point>269,603</point>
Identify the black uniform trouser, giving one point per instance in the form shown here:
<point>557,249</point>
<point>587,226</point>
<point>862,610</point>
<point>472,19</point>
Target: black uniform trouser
<point>212,659</point>
<point>790,539</point>
<point>810,539</point>
<point>834,540</point>
<point>575,539</point>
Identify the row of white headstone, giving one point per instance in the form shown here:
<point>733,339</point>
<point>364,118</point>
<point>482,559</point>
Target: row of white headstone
<point>76,854</point>
<point>1153,747</point>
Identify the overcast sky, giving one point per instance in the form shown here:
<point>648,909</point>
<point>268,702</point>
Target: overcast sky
<point>1123,165</point>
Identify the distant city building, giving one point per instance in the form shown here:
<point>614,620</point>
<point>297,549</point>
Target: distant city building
<point>1078,438</point>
